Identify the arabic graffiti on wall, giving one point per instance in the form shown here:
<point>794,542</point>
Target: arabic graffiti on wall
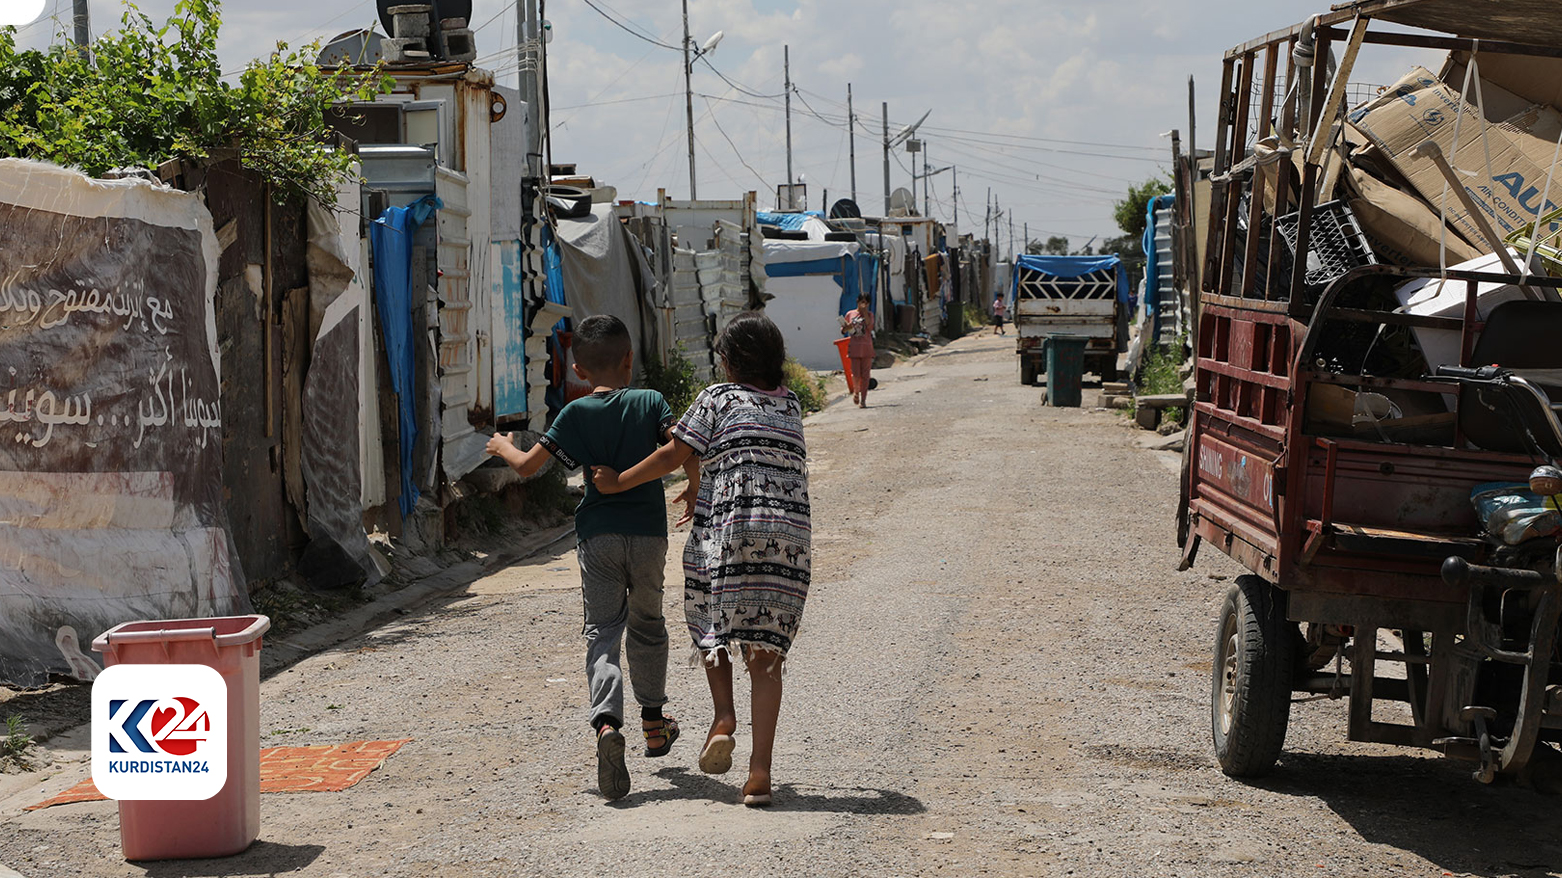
<point>107,367</point>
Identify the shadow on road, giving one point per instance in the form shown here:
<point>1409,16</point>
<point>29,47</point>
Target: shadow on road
<point>262,858</point>
<point>1433,809</point>
<point>687,784</point>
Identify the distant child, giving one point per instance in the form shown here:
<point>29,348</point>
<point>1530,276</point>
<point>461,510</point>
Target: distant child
<point>747,562</point>
<point>999,308</point>
<point>858,324</point>
<point>621,539</point>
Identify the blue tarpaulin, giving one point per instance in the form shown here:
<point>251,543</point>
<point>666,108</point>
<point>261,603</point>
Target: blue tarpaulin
<point>390,236</point>
<point>1147,244</point>
<point>787,222</point>
<point>1071,266</point>
<point>553,289</point>
<point>856,274</point>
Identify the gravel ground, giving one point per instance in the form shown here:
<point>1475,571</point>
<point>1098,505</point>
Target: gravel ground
<point>1000,672</point>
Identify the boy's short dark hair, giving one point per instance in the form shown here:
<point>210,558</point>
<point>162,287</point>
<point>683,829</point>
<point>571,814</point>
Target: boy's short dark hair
<point>600,342</point>
<point>754,350</point>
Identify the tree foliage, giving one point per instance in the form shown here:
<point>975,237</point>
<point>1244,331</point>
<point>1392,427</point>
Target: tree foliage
<point>147,94</point>
<point>1056,245</point>
<point>1129,213</point>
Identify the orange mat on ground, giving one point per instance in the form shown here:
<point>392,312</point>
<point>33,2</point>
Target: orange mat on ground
<point>323,768</point>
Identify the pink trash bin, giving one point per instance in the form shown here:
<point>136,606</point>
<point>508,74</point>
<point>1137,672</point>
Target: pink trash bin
<point>228,822</point>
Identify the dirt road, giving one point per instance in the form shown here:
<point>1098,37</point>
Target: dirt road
<point>1000,672</point>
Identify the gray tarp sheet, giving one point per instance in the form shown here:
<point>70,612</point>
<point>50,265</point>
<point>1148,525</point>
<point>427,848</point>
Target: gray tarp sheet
<point>111,505</point>
<point>605,273</point>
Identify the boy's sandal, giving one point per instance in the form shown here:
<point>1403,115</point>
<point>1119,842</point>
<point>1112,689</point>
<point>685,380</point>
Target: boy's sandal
<point>716,758</point>
<point>667,730</point>
<point>612,773</point>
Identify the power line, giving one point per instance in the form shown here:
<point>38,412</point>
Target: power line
<point>628,30</point>
<point>735,151</point>
<point>734,85</point>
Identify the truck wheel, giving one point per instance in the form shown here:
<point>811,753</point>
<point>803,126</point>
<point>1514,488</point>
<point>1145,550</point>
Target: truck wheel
<point>1109,368</point>
<point>1027,370</point>
<point>1251,679</point>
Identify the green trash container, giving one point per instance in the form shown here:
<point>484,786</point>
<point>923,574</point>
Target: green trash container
<point>1065,370</point>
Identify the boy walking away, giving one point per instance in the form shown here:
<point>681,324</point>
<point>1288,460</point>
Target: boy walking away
<point>621,539</point>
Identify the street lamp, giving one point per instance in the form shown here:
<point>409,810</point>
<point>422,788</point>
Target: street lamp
<point>690,55</point>
<point>927,202</point>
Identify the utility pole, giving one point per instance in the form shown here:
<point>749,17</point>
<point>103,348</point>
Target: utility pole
<point>83,32</point>
<point>851,136</point>
<point>1011,237</point>
<point>987,218</point>
<point>529,83</point>
<point>886,158</point>
<point>1025,240</point>
<point>786,68</point>
<point>954,193</point>
<point>688,97</point>
<point>927,202</point>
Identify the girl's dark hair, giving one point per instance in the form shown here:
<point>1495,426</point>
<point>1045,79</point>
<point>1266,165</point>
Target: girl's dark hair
<point>863,299</point>
<point>754,351</point>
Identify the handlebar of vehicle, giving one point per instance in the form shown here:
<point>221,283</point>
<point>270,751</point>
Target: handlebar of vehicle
<point>1476,373</point>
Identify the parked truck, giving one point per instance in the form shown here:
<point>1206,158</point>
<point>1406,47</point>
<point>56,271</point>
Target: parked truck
<point>1078,296</point>
<point>1375,442</point>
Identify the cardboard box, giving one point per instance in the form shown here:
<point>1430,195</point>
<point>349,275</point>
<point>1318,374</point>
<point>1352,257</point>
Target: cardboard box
<point>1421,107</point>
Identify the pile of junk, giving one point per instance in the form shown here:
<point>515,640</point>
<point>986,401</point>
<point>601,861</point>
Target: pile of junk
<point>1419,185</point>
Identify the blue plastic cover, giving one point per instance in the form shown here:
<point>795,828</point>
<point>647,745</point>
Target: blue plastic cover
<point>855,275</point>
<point>1070,266</point>
<point>1147,244</point>
<point>553,289</point>
<point>390,236</point>
<point>787,222</point>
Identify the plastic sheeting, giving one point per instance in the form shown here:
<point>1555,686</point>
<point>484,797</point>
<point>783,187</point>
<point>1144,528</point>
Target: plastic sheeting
<point>390,236</point>
<point>111,494</point>
<point>338,552</point>
<point>602,275</point>
<point>1073,266</point>
<point>1147,244</point>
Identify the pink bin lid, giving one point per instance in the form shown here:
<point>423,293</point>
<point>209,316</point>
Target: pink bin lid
<point>222,630</point>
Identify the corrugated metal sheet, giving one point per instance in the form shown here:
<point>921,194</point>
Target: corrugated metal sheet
<point>457,345</point>
<point>1170,316</point>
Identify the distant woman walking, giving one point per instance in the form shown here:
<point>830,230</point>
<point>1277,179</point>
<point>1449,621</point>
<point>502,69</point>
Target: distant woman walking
<point>999,309</point>
<point>858,324</point>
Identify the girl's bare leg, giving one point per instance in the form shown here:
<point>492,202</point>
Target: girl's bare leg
<point>764,670</point>
<point>719,676</point>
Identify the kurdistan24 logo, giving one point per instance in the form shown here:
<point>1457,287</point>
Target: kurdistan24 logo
<point>160,732</point>
<point>174,726</point>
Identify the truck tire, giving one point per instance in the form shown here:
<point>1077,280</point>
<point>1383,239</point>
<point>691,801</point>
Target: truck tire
<point>1108,370</point>
<point>1251,679</point>
<point>1027,370</point>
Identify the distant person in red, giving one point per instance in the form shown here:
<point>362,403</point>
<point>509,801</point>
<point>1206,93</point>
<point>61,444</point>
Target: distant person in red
<point>999,308</point>
<point>858,326</point>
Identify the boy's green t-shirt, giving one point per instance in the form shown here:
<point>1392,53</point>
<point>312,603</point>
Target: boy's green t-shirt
<point>617,429</point>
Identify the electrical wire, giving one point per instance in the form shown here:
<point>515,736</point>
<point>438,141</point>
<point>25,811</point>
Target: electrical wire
<point>711,111</point>
<point>751,93</point>
<point>628,30</point>
<point>506,8</point>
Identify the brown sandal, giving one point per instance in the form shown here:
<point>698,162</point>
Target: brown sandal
<point>667,729</point>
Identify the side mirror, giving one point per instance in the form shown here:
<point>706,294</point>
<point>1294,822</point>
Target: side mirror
<point>1546,481</point>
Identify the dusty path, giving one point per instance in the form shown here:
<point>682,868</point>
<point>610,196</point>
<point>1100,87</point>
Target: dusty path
<point>1000,673</point>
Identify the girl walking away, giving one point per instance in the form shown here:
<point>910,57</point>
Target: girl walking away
<point>746,565</point>
<point>858,324</point>
<point>999,307</point>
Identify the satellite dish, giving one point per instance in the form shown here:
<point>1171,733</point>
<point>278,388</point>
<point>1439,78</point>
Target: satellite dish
<point>845,209</point>
<point>902,202</point>
<point>710,44</point>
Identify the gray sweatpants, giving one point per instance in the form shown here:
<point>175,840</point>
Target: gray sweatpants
<point>621,584</point>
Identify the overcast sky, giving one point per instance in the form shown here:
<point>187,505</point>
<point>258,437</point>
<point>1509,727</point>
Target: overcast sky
<point>1056,105</point>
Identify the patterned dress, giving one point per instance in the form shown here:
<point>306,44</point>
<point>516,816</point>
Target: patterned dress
<point>746,566</point>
